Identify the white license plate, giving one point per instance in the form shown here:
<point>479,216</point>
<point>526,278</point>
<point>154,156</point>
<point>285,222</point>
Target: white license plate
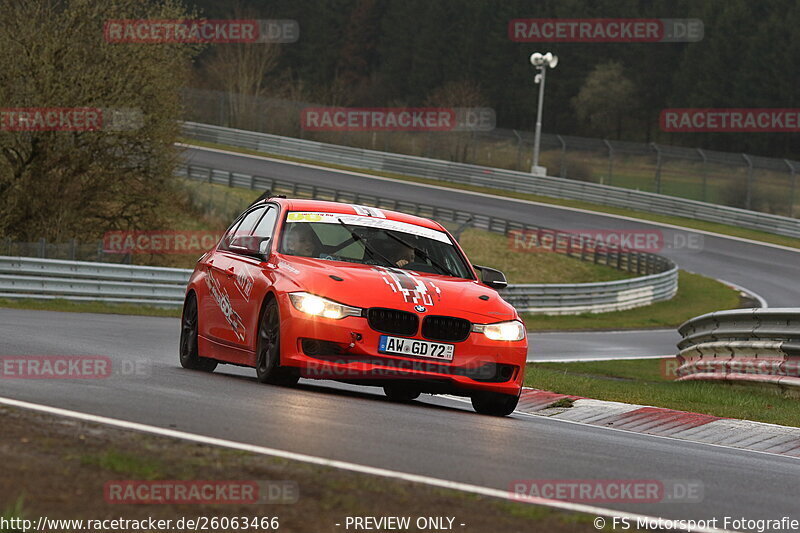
<point>401,346</point>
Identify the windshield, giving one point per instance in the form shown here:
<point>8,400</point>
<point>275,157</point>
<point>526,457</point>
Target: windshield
<point>371,241</point>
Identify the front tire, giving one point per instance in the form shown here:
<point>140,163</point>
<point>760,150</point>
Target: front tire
<point>268,349</point>
<point>494,404</point>
<point>189,355</point>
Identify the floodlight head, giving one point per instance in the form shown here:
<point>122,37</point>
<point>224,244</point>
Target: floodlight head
<point>537,59</point>
<point>552,61</point>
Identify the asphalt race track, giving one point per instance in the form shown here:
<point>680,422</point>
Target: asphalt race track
<point>437,437</point>
<point>598,345</point>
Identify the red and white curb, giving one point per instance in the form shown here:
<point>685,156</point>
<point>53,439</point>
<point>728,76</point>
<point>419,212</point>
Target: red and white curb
<point>696,427</point>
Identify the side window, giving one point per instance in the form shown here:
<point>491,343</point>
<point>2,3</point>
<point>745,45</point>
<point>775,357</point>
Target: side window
<point>266,224</point>
<point>243,228</point>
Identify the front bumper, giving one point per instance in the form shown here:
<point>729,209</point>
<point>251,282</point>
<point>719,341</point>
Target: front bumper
<point>347,350</point>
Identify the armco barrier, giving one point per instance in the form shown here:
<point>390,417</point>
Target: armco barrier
<point>492,177</point>
<point>756,345</point>
<point>26,277</point>
<point>31,278</point>
<point>658,279</point>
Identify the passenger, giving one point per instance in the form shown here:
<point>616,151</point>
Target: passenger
<point>398,254</point>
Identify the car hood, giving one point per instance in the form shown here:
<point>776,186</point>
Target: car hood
<point>375,286</point>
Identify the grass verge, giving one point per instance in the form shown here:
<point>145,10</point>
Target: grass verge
<point>650,382</point>
<point>492,249</point>
<point>723,229</point>
<point>59,467</point>
<point>696,295</point>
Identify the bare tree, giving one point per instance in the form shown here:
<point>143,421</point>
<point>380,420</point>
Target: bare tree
<point>61,184</point>
<point>241,72</point>
<point>605,99</point>
<point>455,94</point>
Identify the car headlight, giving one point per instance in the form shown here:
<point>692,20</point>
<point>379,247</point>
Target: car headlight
<point>513,330</point>
<point>316,305</point>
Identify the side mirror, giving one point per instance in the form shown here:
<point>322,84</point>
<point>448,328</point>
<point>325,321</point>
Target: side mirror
<point>248,245</point>
<point>492,277</point>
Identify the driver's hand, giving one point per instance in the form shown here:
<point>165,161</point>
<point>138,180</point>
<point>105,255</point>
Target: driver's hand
<point>402,262</point>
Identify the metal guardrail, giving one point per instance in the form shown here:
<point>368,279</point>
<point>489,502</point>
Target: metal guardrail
<point>747,345</point>
<point>33,278</point>
<point>47,279</point>
<point>493,177</point>
<point>659,275</point>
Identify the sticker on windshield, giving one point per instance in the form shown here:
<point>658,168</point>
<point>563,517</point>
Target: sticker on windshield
<point>367,211</point>
<point>368,222</point>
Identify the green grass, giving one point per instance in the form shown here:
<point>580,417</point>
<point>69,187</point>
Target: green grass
<point>125,463</point>
<point>14,511</point>
<point>493,250</point>
<point>88,307</point>
<point>649,382</point>
<point>696,295</point>
<point>677,221</point>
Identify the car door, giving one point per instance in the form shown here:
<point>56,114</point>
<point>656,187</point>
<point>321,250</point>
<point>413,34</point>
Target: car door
<point>251,279</point>
<point>224,318</point>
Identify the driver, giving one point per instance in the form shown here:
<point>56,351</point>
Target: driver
<point>403,255</point>
<point>300,240</point>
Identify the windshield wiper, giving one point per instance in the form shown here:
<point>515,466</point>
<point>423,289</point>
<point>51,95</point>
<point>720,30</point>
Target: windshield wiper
<point>422,253</point>
<point>372,251</point>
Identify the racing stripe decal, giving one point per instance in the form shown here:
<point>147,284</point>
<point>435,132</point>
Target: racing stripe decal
<point>412,288</point>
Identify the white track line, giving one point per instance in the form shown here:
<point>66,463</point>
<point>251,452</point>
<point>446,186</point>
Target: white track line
<point>499,197</point>
<point>343,465</point>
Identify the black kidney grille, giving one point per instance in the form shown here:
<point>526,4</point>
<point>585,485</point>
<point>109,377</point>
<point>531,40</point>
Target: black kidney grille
<point>445,328</point>
<point>392,321</point>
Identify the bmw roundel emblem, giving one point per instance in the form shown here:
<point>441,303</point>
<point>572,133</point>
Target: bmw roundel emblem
<point>419,309</point>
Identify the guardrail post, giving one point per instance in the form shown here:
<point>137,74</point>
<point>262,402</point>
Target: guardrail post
<point>562,170</point>
<point>610,159</point>
<point>749,198</point>
<point>42,248</point>
<point>705,173</point>
<point>658,167</point>
<point>8,246</point>
<point>73,244</point>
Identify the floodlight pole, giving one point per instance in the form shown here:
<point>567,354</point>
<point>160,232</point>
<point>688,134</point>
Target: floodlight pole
<point>538,136</point>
